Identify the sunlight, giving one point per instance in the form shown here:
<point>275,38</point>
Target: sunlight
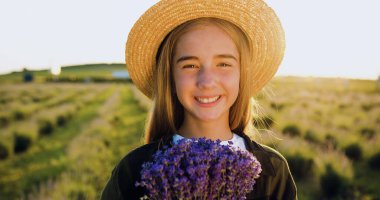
<point>55,70</point>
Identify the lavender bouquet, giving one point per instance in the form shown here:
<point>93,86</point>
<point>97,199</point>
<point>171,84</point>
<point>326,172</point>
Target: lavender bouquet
<point>199,169</point>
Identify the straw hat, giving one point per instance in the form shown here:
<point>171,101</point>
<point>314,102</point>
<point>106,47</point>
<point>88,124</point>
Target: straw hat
<point>253,17</point>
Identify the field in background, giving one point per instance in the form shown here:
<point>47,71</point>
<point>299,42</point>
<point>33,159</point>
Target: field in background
<point>328,129</point>
<point>62,140</point>
<point>75,73</point>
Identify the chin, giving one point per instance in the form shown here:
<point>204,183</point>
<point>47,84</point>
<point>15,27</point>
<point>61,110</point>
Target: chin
<point>208,117</point>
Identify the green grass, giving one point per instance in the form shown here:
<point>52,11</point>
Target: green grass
<point>103,142</point>
<point>46,159</point>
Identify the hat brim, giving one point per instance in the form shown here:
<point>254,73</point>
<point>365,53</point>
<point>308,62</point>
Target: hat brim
<point>257,20</point>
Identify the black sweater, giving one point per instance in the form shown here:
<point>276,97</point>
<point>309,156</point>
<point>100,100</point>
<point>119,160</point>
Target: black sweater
<point>275,182</point>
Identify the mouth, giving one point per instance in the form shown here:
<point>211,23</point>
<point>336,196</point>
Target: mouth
<point>207,100</point>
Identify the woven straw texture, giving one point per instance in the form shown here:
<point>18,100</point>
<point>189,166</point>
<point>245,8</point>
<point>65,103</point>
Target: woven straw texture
<point>257,20</point>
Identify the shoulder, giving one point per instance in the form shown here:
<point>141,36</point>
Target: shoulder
<point>275,155</point>
<point>136,157</point>
<point>279,163</point>
<point>283,175</point>
<point>276,181</point>
<point>141,151</point>
<point>121,184</point>
<point>273,161</point>
<point>130,164</point>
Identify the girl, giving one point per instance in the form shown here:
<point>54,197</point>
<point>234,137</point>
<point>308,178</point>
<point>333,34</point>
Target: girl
<point>201,62</point>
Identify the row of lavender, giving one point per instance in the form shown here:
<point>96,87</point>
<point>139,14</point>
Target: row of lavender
<point>52,155</point>
<point>29,112</point>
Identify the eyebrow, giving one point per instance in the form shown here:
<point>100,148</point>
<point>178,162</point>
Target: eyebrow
<point>183,58</point>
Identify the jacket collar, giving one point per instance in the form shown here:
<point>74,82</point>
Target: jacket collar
<point>256,149</point>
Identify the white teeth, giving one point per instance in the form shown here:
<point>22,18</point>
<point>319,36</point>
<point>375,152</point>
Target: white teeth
<point>207,100</point>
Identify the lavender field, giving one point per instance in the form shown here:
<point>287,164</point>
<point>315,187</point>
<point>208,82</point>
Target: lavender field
<point>62,140</point>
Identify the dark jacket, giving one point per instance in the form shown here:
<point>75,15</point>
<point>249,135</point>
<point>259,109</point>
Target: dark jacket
<point>275,182</point>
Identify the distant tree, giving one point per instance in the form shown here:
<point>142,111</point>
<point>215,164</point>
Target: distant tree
<point>27,75</point>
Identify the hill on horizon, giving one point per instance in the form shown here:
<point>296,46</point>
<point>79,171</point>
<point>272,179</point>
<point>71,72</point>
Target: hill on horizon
<point>98,70</point>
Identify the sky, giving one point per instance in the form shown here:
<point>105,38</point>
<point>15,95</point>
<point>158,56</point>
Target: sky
<point>324,38</point>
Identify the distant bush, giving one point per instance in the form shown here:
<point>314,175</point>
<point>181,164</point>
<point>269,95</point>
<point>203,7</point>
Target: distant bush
<point>4,151</point>
<point>343,106</point>
<point>300,166</point>
<point>263,123</point>
<point>367,133</point>
<point>36,99</point>
<point>45,127</point>
<point>277,106</point>
<point>63,118</point>
<point>116,119</point>
<point>4,121</point>
<point>18,115</point>
<point>22,142</point>
<point>291,130</point>
<point>367,107</point>
<point>344,127</point>
<point>310,136</point>
<point>374,161</point>
<point>332,184</point>
<point>354,152</point>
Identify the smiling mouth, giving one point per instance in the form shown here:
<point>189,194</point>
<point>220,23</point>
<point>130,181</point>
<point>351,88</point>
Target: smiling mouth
<point>207,100</point>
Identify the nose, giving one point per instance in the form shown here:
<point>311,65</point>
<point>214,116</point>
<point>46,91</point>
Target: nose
<point>206,78</point>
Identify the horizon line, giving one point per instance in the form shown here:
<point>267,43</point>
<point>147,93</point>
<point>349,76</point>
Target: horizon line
<point>110,63</point>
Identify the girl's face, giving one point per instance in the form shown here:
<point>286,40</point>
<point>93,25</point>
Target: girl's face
<point>206,73</point>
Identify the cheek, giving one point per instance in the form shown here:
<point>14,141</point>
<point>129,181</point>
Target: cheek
<point>182,84</point>
<point>233,82</point>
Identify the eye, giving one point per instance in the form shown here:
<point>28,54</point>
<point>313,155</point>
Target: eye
<point>189,66</point>
<point>224,65</point>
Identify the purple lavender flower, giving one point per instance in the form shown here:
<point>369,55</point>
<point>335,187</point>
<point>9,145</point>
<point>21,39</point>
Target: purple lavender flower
<point>200,169</point>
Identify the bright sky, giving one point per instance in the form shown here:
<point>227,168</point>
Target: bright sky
<point>324,37</point>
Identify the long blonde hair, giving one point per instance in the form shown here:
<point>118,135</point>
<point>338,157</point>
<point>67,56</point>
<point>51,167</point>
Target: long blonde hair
<point>167,114</point>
